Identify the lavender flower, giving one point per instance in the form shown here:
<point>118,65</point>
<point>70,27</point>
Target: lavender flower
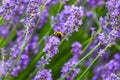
<point>24,61</point>
<point>45,74</point>
<point>98,72</point>
<point>108,71</point>
<point>21,64</point>
<point>8,9</point>
<point>31,48</point>
<point>76,49</point>
<point>67,67</point>
<point>112,76</point>
<point>110,38</point>
<point>94,3</point>
<point>110,68</point>
<point>102,38</point>
<point>41,63</point>
<point>110,23</point>
<point>32,13</point>
<point>69,20</point>
<point>4,31</point>
<point>51,47</point>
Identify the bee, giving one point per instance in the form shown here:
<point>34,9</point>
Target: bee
<point>58,34</point>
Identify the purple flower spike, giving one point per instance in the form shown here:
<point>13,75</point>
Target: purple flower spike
<point>76,49</point>
<point>45,74</point>
<point>51,47</point>
<point>67,67</point>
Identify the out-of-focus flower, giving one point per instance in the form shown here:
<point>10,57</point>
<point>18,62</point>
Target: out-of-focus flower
<point>108,71</point>
<point>4,31</point>
<point>95,3</point>
<point>45,74</point>
<point>63,1</point>
<point>76,49</point>
<point>31,48</point>
<point>21,64</point>
<point>68,66</point>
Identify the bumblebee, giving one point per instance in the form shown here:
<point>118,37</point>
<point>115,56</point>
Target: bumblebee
<point>58,34</point>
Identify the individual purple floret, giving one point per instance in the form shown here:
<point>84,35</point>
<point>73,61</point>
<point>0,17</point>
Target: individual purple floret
<point>4,31</point>
<point>69,20</point>
<point>24,61</point>
<point>76,49</point>
<point>45,74</point>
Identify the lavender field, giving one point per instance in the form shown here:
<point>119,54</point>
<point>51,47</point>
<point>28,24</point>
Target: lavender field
<point>59,39</point>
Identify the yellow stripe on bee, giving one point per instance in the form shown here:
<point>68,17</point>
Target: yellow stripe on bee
<point>59,33</point>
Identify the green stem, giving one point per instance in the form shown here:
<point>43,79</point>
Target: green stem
<point>76,2</point>
<point>82,60</point>
<point>10,37</point>
<point>99,54</point>
<point>41,40</point>
<point>117,46</point>
<point>60,6</point>
<point>88,67</point>
<point>90,41</point>
<point>2,20</point>
<point>97,22</point>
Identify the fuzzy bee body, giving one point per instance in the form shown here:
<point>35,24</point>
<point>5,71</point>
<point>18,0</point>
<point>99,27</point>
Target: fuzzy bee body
<point>58,34</point>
